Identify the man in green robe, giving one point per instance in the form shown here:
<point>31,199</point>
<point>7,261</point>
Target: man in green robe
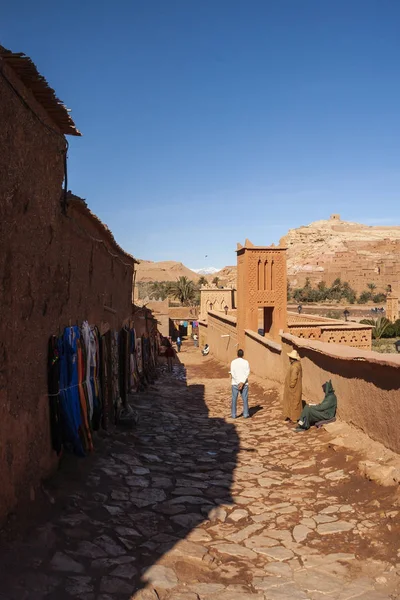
<point>324,411</point>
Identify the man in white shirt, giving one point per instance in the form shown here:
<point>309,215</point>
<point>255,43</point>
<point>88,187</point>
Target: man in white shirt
<point>240,371</point>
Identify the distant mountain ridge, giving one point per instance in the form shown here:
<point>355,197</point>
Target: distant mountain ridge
<point>206,271</point>
<point>148,271</point>
<point>322,251</point>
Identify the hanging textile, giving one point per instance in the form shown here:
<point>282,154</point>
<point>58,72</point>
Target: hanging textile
<point>86,334</point>
<point>105,381</point>
<point>83,397</point>
<point>69,395</point>
<point>139,357</point>
<point>94,377</point>
<point>115,368</point>
<point>124,365</point>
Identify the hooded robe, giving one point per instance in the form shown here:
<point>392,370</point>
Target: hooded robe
<point>292,392</point>
<point>324,411</point>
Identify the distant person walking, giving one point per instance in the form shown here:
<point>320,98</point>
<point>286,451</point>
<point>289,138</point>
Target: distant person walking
<point>169,355</point>
<point>240,371</point>
<point>178,343</point>
<point>293,389</point>
<point>195,340</point>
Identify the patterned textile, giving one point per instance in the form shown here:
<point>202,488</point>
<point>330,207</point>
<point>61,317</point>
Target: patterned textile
<point>69,395</point>
<point>83,398</point>
<point>139,356</point>
<point>86,335</point>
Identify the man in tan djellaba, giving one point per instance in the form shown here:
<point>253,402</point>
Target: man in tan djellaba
<point>292,393</point>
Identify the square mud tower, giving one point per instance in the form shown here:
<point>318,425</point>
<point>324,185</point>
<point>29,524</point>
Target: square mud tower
<point>261,284</point>
<point>392,306</point>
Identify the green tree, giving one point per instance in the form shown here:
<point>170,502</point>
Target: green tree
<point>379,298</point>
<point>160,290</point>
<point>215,280</point>
<point>202,281</point>
<point>184,290</point>
<point>364,297</point>
<point>371,286</point>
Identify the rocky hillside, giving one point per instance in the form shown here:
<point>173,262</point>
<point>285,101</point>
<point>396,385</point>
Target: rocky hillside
<point>359,254</point>
<point>321,251</point>
<point>168,270</point>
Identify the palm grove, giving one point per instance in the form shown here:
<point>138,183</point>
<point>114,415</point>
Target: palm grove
<point>183,290</point>
<point>336,292</point>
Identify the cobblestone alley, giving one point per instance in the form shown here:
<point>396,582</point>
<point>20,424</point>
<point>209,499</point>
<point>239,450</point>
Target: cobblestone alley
<point>190,505</point>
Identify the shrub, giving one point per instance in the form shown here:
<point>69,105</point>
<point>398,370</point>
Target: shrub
<point>380,326</point>
<point>364,297</point>
<point>396,326</point>
<point>379,298</point>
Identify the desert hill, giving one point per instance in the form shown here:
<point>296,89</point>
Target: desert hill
<point>322,251</point>
<point>328,249</point>
<point>168,270</point>
<point>359,254</point>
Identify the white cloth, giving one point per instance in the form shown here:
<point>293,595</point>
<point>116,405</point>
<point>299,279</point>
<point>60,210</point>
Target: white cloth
<point>240,371</point>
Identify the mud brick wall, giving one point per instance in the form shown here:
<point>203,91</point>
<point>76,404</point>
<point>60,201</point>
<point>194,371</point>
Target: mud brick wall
<point>367,383</point>
<point>52,272</point>
<point>222,336</point>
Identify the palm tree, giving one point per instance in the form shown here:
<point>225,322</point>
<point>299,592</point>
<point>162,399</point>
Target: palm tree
<point>202,281</point>
<point>215,280</point>
<point>184,290</point>
<point>379,326</point>
<point>371,286</point>
<point>160,290</point>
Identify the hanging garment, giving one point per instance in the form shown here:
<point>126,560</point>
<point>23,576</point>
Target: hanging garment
<point>53,379</point>
<point>139,356</point>
<point>110,407</point>
<point>104,385</point>
<point>124,364</point>
<point>83,399</point>
<point>115,368</point>
<point>94,378</point>
<point>86,335</point>
<point>69,395</point>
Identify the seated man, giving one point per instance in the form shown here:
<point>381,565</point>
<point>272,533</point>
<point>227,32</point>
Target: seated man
<point>205,350</point>
<point>326,410</point>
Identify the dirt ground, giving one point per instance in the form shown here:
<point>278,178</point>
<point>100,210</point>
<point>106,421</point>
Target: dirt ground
<point>193,505</point>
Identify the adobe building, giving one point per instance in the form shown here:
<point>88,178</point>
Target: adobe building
<point>182,320</point>
<point>392,306</point>
<point>59,265</point>
<point>215,298</point>
<point>262,306</point>
<point>262,287</point>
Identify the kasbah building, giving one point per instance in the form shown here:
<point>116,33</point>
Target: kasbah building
<point>162,509</point>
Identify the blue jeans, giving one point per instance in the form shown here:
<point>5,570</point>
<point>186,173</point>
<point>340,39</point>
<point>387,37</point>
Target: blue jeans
<point>245,394</point>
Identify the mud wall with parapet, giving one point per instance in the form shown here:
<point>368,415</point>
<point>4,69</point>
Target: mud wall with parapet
<point>265,358</point>
<point>222,336</point>
<point>51,273</point>
<point>367,384</point>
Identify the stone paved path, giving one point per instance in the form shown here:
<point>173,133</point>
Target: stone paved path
<point>192,506</point>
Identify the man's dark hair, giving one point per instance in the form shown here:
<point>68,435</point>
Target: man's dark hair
<point>240,353</point>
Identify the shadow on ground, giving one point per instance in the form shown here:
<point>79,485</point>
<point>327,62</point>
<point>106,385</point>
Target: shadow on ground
<point>119,512</point>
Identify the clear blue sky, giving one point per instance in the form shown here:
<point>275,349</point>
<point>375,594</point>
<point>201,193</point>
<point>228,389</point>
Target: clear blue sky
<point>208,121</point>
